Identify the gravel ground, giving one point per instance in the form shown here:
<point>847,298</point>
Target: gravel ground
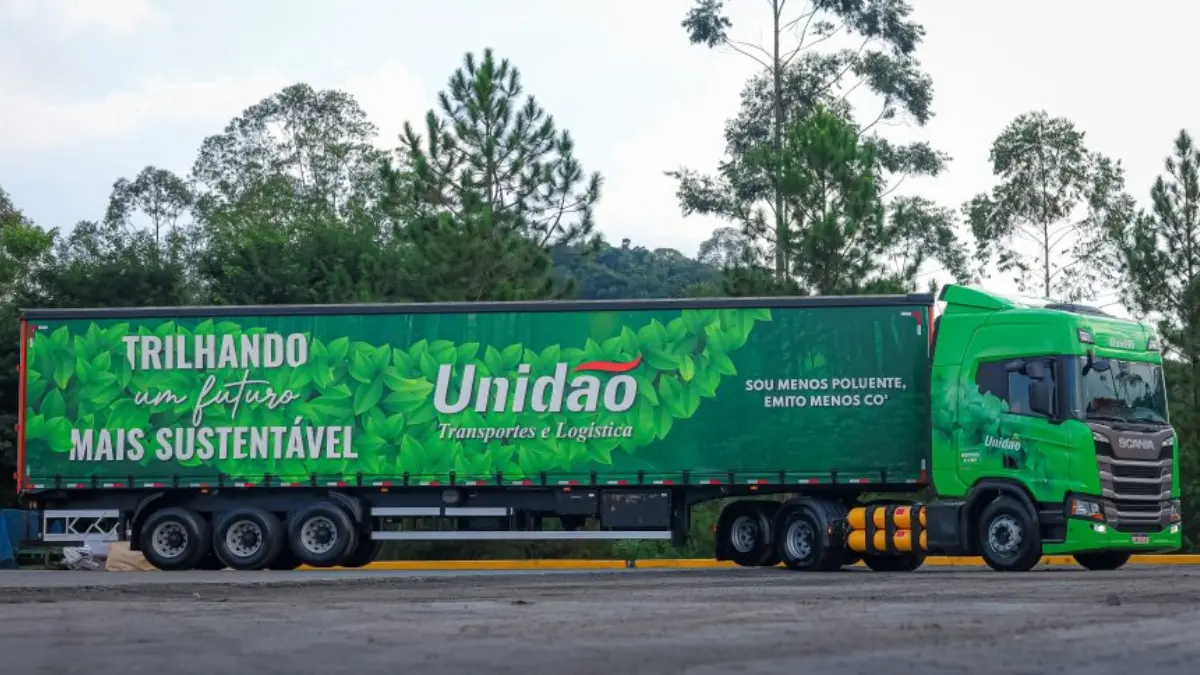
<point>721,622</point>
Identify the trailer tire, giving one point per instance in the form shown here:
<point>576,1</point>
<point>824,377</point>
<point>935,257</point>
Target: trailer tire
<point>1103,561</point>
<point>1002,521</point>
<point>799,539</point>
<point>175,538</point>
<point>247,538</point>
<point>364,553</point>
<point>321,534</point>
<point>742,534</point>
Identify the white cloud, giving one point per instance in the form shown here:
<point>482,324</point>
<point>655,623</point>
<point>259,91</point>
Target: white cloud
<point>66,17</point>
<point>33,121</point>
<point>390,94</point>
<point>639,199</point>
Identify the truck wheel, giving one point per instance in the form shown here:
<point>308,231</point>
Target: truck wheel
<point>1009,539</point>
<point>321,535</point>
<point>364,553</point>
<point>175,538</point>
<point>247,538</point>
<point>800,542</point>
<point>1102,561</point>
<point>742,534</point>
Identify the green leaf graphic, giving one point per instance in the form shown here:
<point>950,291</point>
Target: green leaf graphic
<point>79,378</point>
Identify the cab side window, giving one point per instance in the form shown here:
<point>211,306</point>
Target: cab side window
<point>1011,386</point>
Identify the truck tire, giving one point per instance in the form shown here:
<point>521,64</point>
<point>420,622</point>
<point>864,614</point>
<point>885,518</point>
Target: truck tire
<point>363,554</point>
<point>175,539</point>
<point>247,538</point>
<point>1103,561</point>
<point>742,534</point>
<point>799,539</point>
<point>1009,538</point>
<point>321,535</point>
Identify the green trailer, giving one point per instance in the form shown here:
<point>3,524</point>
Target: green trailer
<point>269,437</point>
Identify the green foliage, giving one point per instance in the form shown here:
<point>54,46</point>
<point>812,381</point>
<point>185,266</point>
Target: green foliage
<point>796,79</point>
<point>491,152</point>
<point>1057,198</point>
<point>830,179</point>
<point>628,271</point>
<point>314,146</point>
<point>384,392</point>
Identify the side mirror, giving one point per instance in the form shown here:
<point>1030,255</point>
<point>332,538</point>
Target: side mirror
<point>1041,400</point>
<point>1035,370</point>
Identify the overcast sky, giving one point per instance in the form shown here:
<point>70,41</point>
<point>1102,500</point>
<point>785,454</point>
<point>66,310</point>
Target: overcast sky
<point>92,90</point>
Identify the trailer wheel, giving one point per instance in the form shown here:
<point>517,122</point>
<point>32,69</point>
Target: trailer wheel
<point>802,538</point>
<point>1102,561</point>
<point>1009,540</point>
<point>175,538</point>
<point>321,535</point>
<point>247,538</point>
<point>742,534</point>
<point>364,553</point>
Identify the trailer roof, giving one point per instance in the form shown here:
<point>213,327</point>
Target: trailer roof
<point>478,307</point>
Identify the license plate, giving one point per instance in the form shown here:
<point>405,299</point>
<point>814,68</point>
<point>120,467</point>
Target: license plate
<point>1141,539</point>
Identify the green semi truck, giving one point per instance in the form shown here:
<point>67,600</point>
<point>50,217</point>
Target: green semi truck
<point>835,429</point>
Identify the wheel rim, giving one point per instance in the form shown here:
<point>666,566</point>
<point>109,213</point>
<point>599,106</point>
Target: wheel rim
<point>743,534</point>
<point>169,540</point>
<point>319,535</point>
<point>244,539</point>
<point>798,542</point>
<point>1005,536</point>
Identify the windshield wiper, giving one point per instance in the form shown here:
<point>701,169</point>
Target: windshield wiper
<point>1108,418</point>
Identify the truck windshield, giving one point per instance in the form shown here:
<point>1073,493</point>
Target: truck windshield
<point>1126,391</point>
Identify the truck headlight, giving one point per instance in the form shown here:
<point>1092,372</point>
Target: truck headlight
<point>1085,508</point>
<point>1174,511</point>
<point>1168,442</point>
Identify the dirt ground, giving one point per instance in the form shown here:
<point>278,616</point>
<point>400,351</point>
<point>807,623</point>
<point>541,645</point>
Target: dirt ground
<point>722,622</point>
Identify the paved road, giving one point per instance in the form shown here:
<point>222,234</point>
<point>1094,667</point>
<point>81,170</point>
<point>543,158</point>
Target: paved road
<point>719,622</point>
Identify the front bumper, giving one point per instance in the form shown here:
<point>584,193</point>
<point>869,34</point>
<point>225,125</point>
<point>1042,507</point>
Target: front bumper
<point>1083,536</point>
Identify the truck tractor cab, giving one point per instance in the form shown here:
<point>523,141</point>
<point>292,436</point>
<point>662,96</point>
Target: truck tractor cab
<point>1063,409</point>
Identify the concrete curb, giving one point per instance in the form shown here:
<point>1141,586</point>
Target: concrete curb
<point>700,563</point>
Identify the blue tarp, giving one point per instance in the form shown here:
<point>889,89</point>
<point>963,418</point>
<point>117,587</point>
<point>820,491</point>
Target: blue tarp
<point>16,526</point>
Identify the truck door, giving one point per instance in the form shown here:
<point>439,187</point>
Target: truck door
<point>1013,425</point>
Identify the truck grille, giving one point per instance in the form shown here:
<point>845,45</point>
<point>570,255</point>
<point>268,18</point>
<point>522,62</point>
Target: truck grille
<point>1136,517</point>
<point>1135,481</point>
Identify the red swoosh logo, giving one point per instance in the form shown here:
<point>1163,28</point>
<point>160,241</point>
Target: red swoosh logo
<point>609,366</point>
